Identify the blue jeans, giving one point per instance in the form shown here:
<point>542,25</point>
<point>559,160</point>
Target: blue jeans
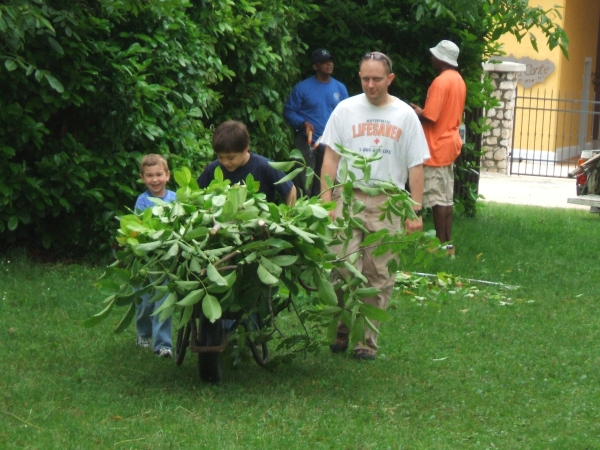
<point>148,326</point>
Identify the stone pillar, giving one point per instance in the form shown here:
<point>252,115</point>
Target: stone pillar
<point>496,143</point>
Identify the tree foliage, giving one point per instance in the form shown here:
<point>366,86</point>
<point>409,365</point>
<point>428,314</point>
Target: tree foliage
<point>90,86</point>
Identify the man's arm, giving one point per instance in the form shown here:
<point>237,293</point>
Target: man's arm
<point>330,163</point>
<point>292,108</point>
<point>416,181</point>
<point>418,110</point>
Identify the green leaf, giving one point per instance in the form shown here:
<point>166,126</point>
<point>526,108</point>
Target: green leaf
<point>97,318</point>
<point>108,287</point>
<point>192,298</point>
<point>366,292</point>
<point>13,221</point>
<point>358,207</point>
<point>290,176</point>
<point>126,320</point>
<point>332,331</point>
<point>283,166</point>
<point>185,317</point>
<point>284,260</point>
<point>187,285</point>
<point>121,275</point>
<point>197,232</point>
<point>146,248</point>
<point>215,276</point>
<point>326,291</point>
<point>211,308</point>
<point>374,313</point>
<point>319,212</point>
<point>274,269</point>
<point>265,276</point>
<point>54,83</point>
<point>357,332</point>
<point>169,301</point>
<point>217,289</point>
<point>10,64</point>
<point>55,45</point>
<point>304,235</point>
<point>182,176</point>
<point>374,237</point>
<point>172,253</point>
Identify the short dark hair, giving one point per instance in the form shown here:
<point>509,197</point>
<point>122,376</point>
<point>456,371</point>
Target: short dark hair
<point>230,137</point>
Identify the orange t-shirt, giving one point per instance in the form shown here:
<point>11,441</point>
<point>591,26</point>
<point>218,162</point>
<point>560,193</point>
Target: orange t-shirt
<point>444,109</point>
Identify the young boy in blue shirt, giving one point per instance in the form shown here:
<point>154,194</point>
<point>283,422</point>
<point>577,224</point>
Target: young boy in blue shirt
<point>231,143</point>
<point>154,172</point>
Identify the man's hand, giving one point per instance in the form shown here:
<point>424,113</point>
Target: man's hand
<point>308,128</point>
<point>417,109</point>
<point>329,169</point>
<point>413,225</point>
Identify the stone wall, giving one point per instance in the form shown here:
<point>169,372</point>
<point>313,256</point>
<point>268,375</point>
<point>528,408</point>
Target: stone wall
<point>496,143</point>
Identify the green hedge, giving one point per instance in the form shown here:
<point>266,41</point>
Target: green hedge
<point>90,86</point>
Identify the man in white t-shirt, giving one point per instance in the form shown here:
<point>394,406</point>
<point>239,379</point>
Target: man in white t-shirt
<point>366,123</point>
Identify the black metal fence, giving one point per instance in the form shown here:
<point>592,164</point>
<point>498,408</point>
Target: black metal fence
<point>550,133</point>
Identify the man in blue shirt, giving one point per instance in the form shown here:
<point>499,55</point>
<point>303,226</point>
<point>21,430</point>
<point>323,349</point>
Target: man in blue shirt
<point>307,110</point>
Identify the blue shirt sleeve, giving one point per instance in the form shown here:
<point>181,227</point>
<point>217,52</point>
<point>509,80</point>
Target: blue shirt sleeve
<point>143,201</point>
<point>291,108</point>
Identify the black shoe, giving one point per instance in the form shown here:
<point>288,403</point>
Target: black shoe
<point>341,343</point>
<point>364,353</point>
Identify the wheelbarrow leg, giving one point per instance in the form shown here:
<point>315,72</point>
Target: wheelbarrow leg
<point>210,366</point>
<point>182,343</point>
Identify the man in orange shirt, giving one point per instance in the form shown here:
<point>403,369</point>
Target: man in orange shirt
<point>441,118</point>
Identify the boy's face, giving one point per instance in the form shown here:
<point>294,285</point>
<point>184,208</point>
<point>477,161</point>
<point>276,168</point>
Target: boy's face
<point>233,160</point>
<point>155,178</point>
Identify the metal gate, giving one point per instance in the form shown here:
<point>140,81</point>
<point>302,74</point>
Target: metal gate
<point>551,131</point>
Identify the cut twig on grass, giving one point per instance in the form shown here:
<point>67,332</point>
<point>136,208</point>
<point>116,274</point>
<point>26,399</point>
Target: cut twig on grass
<point>471,280</point>
<point>24,421</point>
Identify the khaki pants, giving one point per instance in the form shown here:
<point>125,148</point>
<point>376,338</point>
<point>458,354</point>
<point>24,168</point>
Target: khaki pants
<point>373,268</point>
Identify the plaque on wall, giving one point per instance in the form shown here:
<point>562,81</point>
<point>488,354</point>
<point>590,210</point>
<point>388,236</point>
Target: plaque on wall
<point>536,70</point>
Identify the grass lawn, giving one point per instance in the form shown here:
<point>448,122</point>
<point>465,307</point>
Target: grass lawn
<point>458,368</point>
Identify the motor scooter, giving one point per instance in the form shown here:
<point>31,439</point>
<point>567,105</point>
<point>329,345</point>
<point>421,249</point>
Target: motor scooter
<point>587,176</point>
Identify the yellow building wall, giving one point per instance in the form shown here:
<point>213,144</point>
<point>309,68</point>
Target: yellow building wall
<point>542,127</point>
<point>581,21</point>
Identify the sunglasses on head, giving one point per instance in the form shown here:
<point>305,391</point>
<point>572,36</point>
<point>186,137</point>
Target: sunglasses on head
<point>377,56</point>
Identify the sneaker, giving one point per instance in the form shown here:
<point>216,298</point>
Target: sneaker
<point>164,353</point>
<point>143,342</point>
<point>450,251</point>
<point>364,353</point>
<point>341,343</point>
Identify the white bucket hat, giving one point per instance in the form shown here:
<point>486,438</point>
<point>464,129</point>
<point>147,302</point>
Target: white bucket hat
<point>446,51</point>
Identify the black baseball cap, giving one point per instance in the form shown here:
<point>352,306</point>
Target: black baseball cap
<point>321,55</point>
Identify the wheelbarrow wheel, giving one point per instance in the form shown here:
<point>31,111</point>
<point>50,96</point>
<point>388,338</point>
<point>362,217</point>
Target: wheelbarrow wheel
<point>182,343</point>
<point>210,366</point>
